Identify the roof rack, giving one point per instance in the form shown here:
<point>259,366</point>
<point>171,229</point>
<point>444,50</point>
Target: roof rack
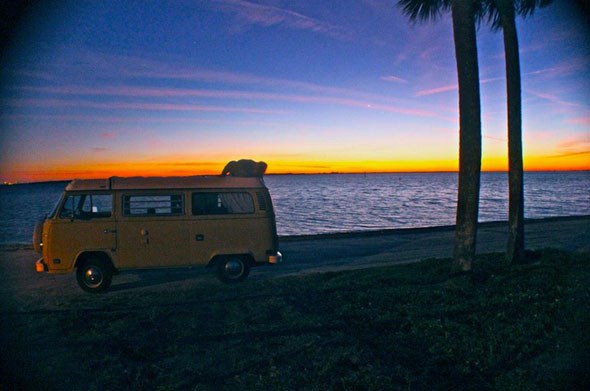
<point>181,182</point>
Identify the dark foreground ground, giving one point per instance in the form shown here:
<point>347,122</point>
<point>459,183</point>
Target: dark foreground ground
<point>401,326</point>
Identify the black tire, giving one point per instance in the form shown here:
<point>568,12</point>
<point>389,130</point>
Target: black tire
<point>94,275</point>
<point>232,269</point>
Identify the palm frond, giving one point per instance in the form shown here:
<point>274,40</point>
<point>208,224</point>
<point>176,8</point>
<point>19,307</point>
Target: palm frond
<point>492,14</point>
<point>527,7</point>
<point>424,10</point>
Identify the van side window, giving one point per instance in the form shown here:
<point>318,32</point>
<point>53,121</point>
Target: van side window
<point>210,203</point>
<point>87,206</point>
<point>153,205</point>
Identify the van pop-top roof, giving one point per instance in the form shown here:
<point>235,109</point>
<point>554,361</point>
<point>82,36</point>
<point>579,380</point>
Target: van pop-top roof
<point>184,182</point>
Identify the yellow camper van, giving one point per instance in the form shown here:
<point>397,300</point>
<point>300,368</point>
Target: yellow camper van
<point>100,227</point>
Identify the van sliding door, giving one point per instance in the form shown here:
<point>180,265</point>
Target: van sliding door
<point>152,231</point>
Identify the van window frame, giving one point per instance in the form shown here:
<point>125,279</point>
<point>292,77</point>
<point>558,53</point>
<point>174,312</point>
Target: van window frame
<point>125,209</point>
<point>221,211</point>
<point>83,215</point>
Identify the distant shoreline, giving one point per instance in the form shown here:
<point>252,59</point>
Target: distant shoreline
<point>8,184</point>
<point>366,233</point>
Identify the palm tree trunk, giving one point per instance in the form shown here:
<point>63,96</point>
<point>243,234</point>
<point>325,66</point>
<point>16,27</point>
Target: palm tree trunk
<point>515,248</point>
<point>469,135</point>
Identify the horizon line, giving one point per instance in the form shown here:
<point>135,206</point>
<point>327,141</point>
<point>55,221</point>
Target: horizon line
<point>8,183</point>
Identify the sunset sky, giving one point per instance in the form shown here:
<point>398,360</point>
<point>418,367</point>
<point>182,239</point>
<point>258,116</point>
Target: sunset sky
<point>99,88</point>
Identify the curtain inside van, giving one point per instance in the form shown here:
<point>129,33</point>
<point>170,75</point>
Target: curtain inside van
<point>237,202</point>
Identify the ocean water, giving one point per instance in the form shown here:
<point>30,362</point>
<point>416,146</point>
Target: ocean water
<point>311,204</point>
<point>315,204</point>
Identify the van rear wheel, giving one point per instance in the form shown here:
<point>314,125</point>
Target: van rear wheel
<point>94,275</point>
<point>232,269</point>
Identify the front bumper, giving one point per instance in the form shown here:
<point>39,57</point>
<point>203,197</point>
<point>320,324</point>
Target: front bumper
<point>274,259</point>
<point>41,266</point>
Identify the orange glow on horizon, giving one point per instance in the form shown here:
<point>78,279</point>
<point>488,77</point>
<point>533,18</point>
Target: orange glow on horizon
<point>579,162</point>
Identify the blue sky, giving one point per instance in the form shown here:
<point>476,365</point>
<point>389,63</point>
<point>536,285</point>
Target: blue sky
<point>92,89</point>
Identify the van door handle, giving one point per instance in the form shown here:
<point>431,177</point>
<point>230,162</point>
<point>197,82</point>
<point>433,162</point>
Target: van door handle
<point>109,231</point>
<point>145,236</point>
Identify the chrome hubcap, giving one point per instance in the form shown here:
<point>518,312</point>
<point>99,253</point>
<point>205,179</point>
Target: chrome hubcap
<point>234,268</point>
<point>93,277</point>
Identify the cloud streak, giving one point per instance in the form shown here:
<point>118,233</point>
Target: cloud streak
<point>142,71</point>
<point>248,96</point>
<point>62,103</point>
<point>552,98</point>
<point>572,66</point>
<point>453,87</point>
<point>578,146</point>
<point>438,90</point>
<point>393,79</point>
<point>247,13</point>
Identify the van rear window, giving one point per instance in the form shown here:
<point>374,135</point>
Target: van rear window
<point>213,203</point>
<point>153,205</point>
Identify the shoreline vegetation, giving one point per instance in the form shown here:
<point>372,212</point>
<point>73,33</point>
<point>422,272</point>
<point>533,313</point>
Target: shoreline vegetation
<point>9,183</point>
<point>396,327</point>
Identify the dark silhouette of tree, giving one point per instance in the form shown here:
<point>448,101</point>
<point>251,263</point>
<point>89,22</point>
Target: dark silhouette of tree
<point>464,14</point>
<point>502,16</point>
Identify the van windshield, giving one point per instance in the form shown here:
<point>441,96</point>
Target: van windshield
<point>87,206</point>
<point>55,207</point>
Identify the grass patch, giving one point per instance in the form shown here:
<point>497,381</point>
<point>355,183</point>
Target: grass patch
<point>399,327</point>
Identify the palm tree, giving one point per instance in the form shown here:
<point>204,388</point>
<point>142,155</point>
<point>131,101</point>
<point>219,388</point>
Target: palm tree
<point>502,14</point>
<point>463,14</point>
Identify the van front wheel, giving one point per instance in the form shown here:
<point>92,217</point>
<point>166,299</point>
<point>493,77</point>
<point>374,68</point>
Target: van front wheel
<point>94,275</point>
<point>232,269</point>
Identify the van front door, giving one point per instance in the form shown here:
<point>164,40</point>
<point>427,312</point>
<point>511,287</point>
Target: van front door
<point>85,223</point>
<point>152,231</point>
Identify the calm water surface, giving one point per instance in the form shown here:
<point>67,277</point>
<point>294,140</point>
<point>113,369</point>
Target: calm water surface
<point>312,204</point>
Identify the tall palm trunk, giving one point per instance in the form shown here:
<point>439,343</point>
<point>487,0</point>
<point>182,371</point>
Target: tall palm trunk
<point>469,135</point>
<point>515,247</point>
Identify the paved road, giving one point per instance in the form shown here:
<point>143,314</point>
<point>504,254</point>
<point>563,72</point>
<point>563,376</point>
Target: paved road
<point>309,254</point>
<point>23,289</point>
